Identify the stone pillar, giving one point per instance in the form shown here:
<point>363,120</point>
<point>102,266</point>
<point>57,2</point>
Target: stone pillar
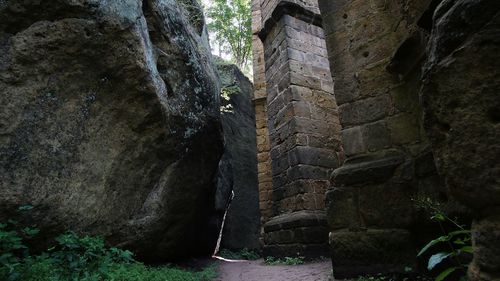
<point>304,128</point>
<point>376,50</point>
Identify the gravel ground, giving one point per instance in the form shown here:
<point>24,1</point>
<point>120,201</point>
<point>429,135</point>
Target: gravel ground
<point>258,271</point>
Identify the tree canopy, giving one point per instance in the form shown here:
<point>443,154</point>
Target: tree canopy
<point>231,23</point>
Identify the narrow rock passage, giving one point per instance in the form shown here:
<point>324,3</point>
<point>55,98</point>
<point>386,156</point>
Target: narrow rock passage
<point>259,271</point>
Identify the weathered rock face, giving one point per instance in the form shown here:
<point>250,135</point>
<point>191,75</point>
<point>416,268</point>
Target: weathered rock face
<point>461,99</point>
<point>110,121</point>
<point>241,227</point>
<point>461,106</point>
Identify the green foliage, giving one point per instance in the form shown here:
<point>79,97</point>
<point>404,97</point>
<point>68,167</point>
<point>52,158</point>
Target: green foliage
<point>372,278</point>
<point>12,247</point>
<point>75,258</point>
<point>195,10</point>
<point>46,270</point>
<point>231,22</point>
<point>286,261</point>
<point>140,272</point>
<point>225,94</point>
<point>244,254</point>
<point>459,237</point>
<point>381,277</point>
<point>458,242</point>
<point>375,278</point>
<point>80,257</point>
<point>445,273</point>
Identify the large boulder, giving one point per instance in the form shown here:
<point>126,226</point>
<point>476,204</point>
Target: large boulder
<point>241,227</point>
<point>109,122</point>
<point>461,103</point>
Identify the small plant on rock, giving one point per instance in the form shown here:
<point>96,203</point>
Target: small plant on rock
<point>458,242</point>
<point>12,247</point>
<point>244,254</point>
<point>375,278</point>
<point>285,261</point>
<point>381,277</point>
<point>78,258</point>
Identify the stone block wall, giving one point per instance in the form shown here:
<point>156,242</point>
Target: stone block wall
<point>270,7</point>
<point>260,106</point>
<point>301,112</point>
<point>303,126</point>
<point>376,51</point>
<point>264,162</point>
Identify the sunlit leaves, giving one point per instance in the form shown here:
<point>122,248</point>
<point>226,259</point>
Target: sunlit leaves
<point>231,22</point>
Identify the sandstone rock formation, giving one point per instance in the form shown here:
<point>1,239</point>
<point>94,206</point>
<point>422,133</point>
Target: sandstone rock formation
<point>462,113</point>
<point>110,121</point>
<point>241,227</point>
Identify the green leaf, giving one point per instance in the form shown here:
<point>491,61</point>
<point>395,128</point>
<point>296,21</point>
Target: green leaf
<point>458,232</point>
<point>444,238</point>
<point>30,231</point>
<point>25,208</point>
<point>231,23</point>
<point>439,217</point>
<point>437,259</point>
<point>432,243</point>
<point>467,249</point>
<point>444,274</point>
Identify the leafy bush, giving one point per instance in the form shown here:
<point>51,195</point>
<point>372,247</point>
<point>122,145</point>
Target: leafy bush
<point>375,278</point>
<point>45,270</point>
<point>139,272</point>
<point>80,257</point>
<point>381,277</point>
<point>244,254</point>
<point>286,261</point>
<point>12,248</point>
<point>458,242</point>
<point>231,23</point>
<point>75,258</point>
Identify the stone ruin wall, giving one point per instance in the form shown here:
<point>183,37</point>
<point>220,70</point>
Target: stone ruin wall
<point>376,52</point>
<point>374,224</point>
<point>417,79</point>
<point>260,106</point>
<point>298,108</point>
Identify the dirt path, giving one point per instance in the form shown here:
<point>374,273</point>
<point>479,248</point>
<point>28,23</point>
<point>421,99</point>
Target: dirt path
<point>259,271</point>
